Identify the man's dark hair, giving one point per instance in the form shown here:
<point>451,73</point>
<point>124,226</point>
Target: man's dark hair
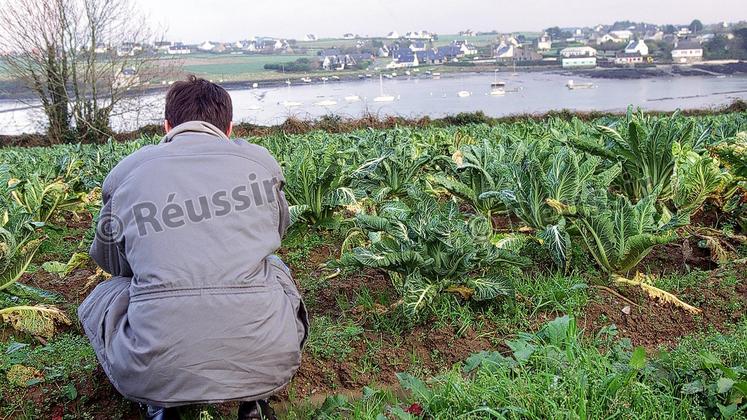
<point>197,99</point>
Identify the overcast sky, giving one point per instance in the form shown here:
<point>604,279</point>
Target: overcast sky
<point>227,20</point>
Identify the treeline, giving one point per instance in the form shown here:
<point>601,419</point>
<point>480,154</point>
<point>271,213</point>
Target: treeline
<point>298,66</point>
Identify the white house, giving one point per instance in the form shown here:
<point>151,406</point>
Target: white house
<point>162,46</point>
<point>637,46</point>
<point>178,49</point>
<point>126,79</point>
<point>101,49</point>
<point>206,46</point>
<point>384,51</point>
<point>543,43</point>
<point>578,52</point>
<point>504,52</point>
<point>419,35</point>
<point>418,46</point>
<point>687,51</point>
<point>577,62</point>
<point>392,35</point>
<point>609,38</point>
<point>404,60</point>
<point>623,34</point>
<point>624,58</point>
<point>467,49</point>
<point>654,36</point>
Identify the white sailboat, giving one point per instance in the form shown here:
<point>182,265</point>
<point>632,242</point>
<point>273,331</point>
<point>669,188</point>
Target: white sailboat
<point>352,98</point>
<point>326,102</point>
<point>573,86</point>
<point>291,104</point>
<point>497,88</point>
<point>464,94</point>
<point>382,97</point>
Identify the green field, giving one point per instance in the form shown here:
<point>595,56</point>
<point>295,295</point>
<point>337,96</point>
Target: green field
<point>553,268</point>
<point>234,67</point>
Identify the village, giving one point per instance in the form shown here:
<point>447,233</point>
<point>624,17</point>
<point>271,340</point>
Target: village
<point>622,44</point>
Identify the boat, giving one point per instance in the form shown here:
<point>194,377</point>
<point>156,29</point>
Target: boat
<point>382,97</point>
<point>255,85</point>
<point>436,75</point>
<point>335,78</point>
<point>572,85</point>
<point>326,102</point>
<point>394,74</point>
<point>306,79</point>
<point>407,72</point>
<point>324,79</point>
<point>288,82</point>
<point>361,76</point>
<point>464,94</point>
<point>498,88</point>
<point>353,98</point>
<point>291,104</point>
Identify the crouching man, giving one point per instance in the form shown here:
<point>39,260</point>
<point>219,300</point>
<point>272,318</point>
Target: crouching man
<point>198,310</point>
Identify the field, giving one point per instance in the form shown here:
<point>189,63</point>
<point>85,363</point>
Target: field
<point>235,67</point>
<point>556,268</point>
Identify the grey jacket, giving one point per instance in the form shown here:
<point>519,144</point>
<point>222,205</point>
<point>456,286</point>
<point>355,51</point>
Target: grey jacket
<point>199,309</point>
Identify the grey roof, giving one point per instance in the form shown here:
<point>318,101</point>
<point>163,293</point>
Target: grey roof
<point>687,44</point>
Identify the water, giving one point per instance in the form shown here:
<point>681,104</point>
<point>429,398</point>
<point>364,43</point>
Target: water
<point>417,96</point>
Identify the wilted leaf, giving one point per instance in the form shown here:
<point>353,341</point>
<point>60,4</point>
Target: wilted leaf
<point>24,376</point>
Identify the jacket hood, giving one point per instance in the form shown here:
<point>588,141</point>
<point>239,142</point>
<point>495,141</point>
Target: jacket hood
<point>194,127</point>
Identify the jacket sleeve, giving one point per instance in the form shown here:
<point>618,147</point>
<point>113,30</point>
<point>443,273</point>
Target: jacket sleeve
<point>107,248</point>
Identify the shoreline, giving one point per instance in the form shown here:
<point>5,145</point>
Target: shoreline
<point>338,124</point>
<point>15,92</point>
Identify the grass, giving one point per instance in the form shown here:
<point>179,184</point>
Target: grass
<point>330,339</point>
<point>234,66</point>
<point>556,373</point>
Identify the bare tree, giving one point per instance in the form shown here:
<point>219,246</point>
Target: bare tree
<point>83,59</point>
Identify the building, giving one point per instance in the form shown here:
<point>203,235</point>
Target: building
<point>338,62</point>
<point>579,62</point>
<point>654,36</point>
<point>383,51</point>
<point>526,54</point>
<point>126,79</point>
<point>418,46</point>
<point>624,58</point>
<point>637,46</point>
<point>622,35</point>
<point>403,59</point>
<point>392,35</point>
<point>309,37</point>
<point>430,57</point>
<point>543,43</point>
<point>504,52</point>
<point>419,35</point>
<point>206,46</point>
<point>178,49</point>
<point>101,49</point>
<point>687,51</point>
<point>465,47</point>
<point>609,38</point>
<point>450,52</point>
<point>578,52</point>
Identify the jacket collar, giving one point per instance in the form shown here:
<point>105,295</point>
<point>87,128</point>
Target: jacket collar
<point>194,127</point>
